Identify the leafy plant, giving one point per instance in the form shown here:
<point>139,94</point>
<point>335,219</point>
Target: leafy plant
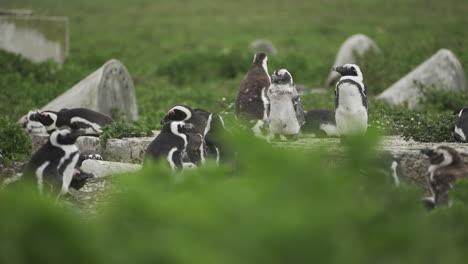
<point>15,144</point>
<point>122,129</point>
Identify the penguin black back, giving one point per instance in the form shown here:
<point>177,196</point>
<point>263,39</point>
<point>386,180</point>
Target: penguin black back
<point>170,144</point>
<point>53,164</point>
<point>251,101</point>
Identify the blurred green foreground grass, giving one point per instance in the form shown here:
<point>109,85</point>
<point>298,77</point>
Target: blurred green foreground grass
<point>273,206</point>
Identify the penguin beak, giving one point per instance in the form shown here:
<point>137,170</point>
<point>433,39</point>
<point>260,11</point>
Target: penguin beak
<point>339,69</point>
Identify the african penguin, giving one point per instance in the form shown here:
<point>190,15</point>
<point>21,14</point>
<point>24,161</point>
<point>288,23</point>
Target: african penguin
<point>252,102</point>
<point>170,144</point>
<point>320,122</point>
<point>460,129</point>
<point>284,118</point>
<point>54,163</point>
<point>446,168</point>
<point>32,126</point>
<point>351,106</point>
<point>195,151</point>
<point>84,119</point>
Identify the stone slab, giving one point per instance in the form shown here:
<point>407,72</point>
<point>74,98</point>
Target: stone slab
<point>102,169</point>
<point>37,38</point>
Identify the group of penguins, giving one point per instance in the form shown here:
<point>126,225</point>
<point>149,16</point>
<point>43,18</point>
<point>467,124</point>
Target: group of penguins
<point>270,106</point>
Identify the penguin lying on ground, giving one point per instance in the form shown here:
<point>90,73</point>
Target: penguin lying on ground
<point>170,144</point>
<point>461,127</point>
<point>446,168</point>
<point>320,122</point>
<point>32,126</point>
<point>52,166</point>
<point>252,102</point>
<point>351,106</point>
<point>195,152</point>
<point>286,115</point>
<point>84,119</point>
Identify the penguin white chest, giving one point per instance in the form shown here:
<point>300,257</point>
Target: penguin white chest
<point>351,114</point>
<point>282,119</point>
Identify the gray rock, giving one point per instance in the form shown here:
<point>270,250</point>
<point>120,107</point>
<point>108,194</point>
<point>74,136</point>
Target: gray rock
<point>107,90</point>
<point>102,169</point>
<point>16,12</point>
<point>351,51</point>
<point>131,150</point>
<point>263,45</point>
<point>441,71</point>
<point>36,38</point>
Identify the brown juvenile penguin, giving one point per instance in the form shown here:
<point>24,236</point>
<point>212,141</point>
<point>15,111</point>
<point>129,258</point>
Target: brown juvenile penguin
<point>446,168</point>
<point>252,103</point>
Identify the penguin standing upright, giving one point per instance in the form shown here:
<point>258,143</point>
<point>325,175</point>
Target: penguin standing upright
<point>446,168</point>
<point>351,106</point>
<point>252,102</point>
<point>286,115</point>
<point>170,144</point>
<point>196,148</point>
<point>84,119</point>
<point>54,163</point>
<point>460,129</point>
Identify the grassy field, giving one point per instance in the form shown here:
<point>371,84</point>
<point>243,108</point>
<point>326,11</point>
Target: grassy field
<point>270,205</point>
<point>196,52</point>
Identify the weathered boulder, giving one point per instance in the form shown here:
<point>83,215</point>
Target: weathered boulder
<point>263,45</point>
<point>351,51</point>
<point>130,150</point>
<point>102,168</point>
<point>38,38</point>
<point>108,90</point>
<point>441,71</point>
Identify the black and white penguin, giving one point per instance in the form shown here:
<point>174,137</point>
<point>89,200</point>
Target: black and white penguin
<point>195,151</point>
<point>32,126</point>
<point>252,102</point>
<point>320,122</point>
<point>84,119</point>
<point>170,144</point>
<point>446,168</point>
<point>286,115</point>
<point>460,130</point>
<point>54,163</point>
<point>213,138</point>
<point>351,105</point>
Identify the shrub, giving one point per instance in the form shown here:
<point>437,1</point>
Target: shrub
<point>122,129</point>
<point>15,144</point>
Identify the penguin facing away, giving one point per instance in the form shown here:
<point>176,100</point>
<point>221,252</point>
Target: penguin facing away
<point>460,130</point>
<point>252,102</point>
<point>170,144</point>
<point>351,104</point>
<point>84,119</point>
<point>54,163</point>
<point>446,168</point>
<point>195,151</point>
<point>213,133</point>
<point>283,117</point>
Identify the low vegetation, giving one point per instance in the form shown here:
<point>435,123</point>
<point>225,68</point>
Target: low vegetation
<point>122,129</point>
<point>15,144</point>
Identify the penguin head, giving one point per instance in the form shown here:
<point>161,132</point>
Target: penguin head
<point>442,156</point>
<point>46,118</point>
<point>260,58</point>
<point>460,112</point>
<point>180,127</point>
<point>349,70</point>
<point>178,113</point>
<point>281,76</point>
<point>65,136</point>
<point>32,126</point>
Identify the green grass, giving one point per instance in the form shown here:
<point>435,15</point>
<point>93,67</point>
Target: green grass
<point>196,52</point>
